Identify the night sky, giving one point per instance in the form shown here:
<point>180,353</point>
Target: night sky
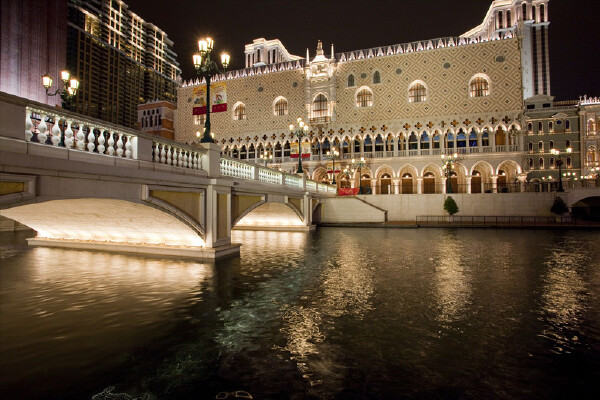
<point>357,24</point>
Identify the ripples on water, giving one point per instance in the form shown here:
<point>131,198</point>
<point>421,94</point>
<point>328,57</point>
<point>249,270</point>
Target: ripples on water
<point>353,313</point>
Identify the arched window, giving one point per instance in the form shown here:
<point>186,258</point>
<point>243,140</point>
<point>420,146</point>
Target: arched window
<point>239,112</point>
<point>533,16</point>
<point>364,98</point>
<point>542,13</point>
<point>568,162</point>
<point>508,19</point>
<point>541,146</point>
<point>541,163</point>
<point>480,87</point>
<point>568,143</point>
<point>524,11</point>
<point>530,127</point>
<point>551,145</point>
<point>280,107</point>
<point>500,26</point>
<point>376,77</point>
<point>531,163</point>
<point>568,125</point>
<point>591,126</point>
<point>417,93</point>
<point>531,147</point>
<point>550,126</point>
<point>485,138</point>
<point>319,106</point>
<point>350,80</point>
<point>551,163</point>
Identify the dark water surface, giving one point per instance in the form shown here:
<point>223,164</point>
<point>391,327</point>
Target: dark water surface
<point>337,314</point>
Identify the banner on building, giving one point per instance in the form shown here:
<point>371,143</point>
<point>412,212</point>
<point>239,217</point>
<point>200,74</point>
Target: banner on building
<point>330,167</point>
<point>305,150</point>
<point>218,98</point>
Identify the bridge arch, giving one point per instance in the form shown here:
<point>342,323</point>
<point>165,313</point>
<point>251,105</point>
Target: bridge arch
<point>267,214</point>
<point>107,220</point>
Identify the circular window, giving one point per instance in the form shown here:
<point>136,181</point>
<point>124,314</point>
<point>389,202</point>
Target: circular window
<point>295,84</point>
<point>363,75</point>
<point>260,89</point>
<point>447,65</point>
<point>398,71</point>
<point>500,59</point>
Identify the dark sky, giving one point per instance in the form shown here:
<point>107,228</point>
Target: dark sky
<point>357,24</point>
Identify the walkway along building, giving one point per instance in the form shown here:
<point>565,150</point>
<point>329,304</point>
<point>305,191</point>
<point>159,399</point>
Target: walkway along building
<point>484,95</point>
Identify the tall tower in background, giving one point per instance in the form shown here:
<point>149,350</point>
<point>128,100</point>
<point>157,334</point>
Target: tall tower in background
<point>529,20</point>
<point>120,59</point>
<point>33,36</point>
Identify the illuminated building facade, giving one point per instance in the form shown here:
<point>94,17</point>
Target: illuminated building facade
<point>120,59</point>
<point>402,106</point>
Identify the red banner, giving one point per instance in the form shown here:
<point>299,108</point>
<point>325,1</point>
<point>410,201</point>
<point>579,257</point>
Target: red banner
<point>199,110</point>
<point>214,109</point>
<point>347,191</point>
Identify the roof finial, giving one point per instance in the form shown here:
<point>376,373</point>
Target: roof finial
<point>332,51</point>
<point>319,48</point>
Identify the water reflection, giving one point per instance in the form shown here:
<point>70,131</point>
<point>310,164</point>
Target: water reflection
<point>564,294</point>
<point>451,280</point>
<point>76,310</point>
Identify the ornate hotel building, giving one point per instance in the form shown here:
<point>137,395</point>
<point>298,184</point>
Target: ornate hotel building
<point>120,59</point>
<point>484,95</point>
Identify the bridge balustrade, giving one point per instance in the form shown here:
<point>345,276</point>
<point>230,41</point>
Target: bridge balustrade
<point>58,128</point>
<point>236,169</point>
<point>293,181</point>
<point>177,155</point>
<point>270,176</point>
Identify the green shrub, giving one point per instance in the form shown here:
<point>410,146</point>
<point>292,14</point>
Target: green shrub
<point>450,206</point>
<point>559,207</point>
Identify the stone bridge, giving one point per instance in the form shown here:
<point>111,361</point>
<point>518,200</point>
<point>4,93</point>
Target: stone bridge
<point>85,183</point>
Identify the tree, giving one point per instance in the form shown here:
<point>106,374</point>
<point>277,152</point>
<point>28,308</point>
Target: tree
<point>450,206</point>
<point>559,207</point>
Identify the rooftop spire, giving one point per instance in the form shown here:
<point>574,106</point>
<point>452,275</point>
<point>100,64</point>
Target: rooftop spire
<point>319,48</point>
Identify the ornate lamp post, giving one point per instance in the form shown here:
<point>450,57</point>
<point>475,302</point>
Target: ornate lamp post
<point>559,162</point>
<point>333,154</point>
<point>69,90</point>
<point>266,156</point>
<point>300,132</point>
<point>206,68</point>
<point>359,164</point>
<point>448,163</point>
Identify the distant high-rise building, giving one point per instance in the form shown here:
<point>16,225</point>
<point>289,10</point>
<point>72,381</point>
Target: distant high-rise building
<point>120,59</point>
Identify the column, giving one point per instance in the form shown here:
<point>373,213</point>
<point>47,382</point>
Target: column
<point>396,186</point>
<point>419,185</point>
<point>373,186</point>
<point>494,183</point>
<point>468,178</point>
<point>522,179</point>
<point>395,146</point>
<point>444,185</point>
<point>307,210</point>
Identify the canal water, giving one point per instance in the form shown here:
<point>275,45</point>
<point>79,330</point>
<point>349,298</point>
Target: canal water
<point>335,314</point>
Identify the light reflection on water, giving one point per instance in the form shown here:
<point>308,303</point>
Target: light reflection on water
<point>354,313</point>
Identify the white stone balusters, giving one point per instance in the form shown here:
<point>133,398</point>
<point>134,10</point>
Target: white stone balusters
<point>101,141</point>
<point>163,154</point>
<point>169,162</point>
<point>28,126</point>
<point>55,132</point>
<point>128,147</point>
<point>111,144</point>
<point>42,128</point>
<point>91,138</point>
<point>80,137</point>
<point>186,159</point>
<point>120,146</point>
<point>68,135</point>
<point>156,157</point>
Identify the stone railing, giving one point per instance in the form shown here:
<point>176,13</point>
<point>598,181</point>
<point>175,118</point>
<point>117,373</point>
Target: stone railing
<point>250,171</point>
<point>55,127</point>
<point>177,154</point>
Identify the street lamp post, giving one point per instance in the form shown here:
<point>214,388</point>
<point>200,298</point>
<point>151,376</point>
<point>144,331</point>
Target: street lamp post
<point>559,162</point>
<point>69,90</point>
<point>448,163</point>
<point>266,156</point>
<point>206,68</point>
<point>300,132</point>
<point>333,154</point>
<point>359,164</point>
